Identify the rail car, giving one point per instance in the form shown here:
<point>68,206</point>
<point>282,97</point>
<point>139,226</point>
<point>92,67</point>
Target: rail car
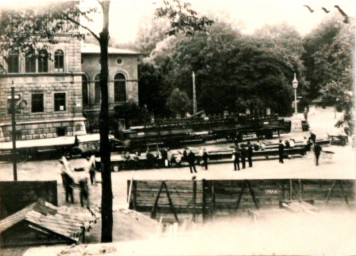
<point>177,133</point>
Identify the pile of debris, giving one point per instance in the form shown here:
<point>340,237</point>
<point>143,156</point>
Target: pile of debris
<point>42,223</point>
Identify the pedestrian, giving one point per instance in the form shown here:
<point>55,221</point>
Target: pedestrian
<point>249,154</point>
<point>191,161</point>
<point>243,156</point>
<point>84,192</point>
<point>317,151</point>
<point>236,156</point>
<point>281,151</point>
<point>312,138</point>
<point>68,184</point>
<point>205,159</point>
<point>150,160</point>
<point>164,154</point>
<point>92,169</point>
<point>185,154</point>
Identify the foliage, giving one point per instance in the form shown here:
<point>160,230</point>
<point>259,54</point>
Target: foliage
<point>328,55</point>
<point>182,18</point>
<point>132,114</point>
<point>228,66</point>
<point>329,63</point>
<point>26,30</point>
<point>178,102</point>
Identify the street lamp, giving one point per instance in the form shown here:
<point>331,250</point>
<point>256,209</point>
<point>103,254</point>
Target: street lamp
<point>295,86</point>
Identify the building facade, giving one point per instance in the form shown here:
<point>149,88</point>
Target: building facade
<point>57,91</point>
<point>122,81</point>
<point>48,92</point>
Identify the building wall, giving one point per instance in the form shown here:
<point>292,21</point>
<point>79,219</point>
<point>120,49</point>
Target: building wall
<point>48,123</point>
<point>128,67</point>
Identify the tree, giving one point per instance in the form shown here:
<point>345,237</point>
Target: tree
<point>24,30</point>
<point>328,53</point>
<point>178,102</point>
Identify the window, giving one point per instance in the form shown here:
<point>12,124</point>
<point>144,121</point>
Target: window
<point>60,101</point>
<point>43,61</point>
<point>59,60</point>
<point>97,89</point>
<point>37,102</point>
<point>13,62</point>
<point>30,63</point>
<point>119,61</point>
<point>85,91</point>
<point>120,88</point>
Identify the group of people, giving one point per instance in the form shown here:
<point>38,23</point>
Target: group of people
<point>71,180</point>
<point>190,157</point>
<point>311,142</point>
<point>240,154</point>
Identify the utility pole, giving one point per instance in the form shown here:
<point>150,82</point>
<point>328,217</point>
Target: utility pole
<point>194,95</point>
<point>14,151</point>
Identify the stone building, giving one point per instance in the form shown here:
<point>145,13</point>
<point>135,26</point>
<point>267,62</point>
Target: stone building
<point>48,92</point>
<point>123,79</point>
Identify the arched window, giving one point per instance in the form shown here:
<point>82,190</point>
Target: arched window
<point>30,62</point>
<point>43,61</point>
<point>120,88</point>
<point>85,90</point>
<point>59,60</point>
<point>97,89</point>
<point>13,62</point>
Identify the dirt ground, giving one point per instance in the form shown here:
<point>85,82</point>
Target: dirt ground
<point>325,233</point>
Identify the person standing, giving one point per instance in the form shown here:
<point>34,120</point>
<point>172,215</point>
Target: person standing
<point>249,154</point>
<point>243,157</point>
<point>312,138</point>
<point>68,183</point>
<point>236,156</point>
<point>191,161</point>
<point>205,159</point>
<point>317,152</point>
<point>281,151</point>
<point>92,169</point>
<point>84,193</point>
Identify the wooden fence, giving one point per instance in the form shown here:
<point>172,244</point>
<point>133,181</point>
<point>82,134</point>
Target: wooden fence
<point>201,200</point>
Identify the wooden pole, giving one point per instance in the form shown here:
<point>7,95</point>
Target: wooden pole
<point>194,200</point>
<point>14,150</point>
<point>212,199</point>
<point>194,95</point>
<point>330,191</point>
<point>344,193</point>
<point>170,201</point>
<point>252,193</point>
<point>240,196</point>
<point>153,212</point>
<point>134,187</point>
<point>204,203</point>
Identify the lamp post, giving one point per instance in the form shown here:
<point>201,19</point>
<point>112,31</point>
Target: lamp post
<point>194,94</point>
<point>295,86</point>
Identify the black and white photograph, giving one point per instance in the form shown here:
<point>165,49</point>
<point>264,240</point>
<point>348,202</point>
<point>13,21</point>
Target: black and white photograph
<point>177,127</point>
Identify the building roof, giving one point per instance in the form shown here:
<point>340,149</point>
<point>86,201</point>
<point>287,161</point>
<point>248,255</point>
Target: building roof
<point>95,49</point>
<point>15,218</point>
<point>47,217</point>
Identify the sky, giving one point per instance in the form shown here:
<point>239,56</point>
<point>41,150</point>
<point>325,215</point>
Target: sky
<point>126,16</point>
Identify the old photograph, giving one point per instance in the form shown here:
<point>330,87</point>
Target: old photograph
<point>177,127</point>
